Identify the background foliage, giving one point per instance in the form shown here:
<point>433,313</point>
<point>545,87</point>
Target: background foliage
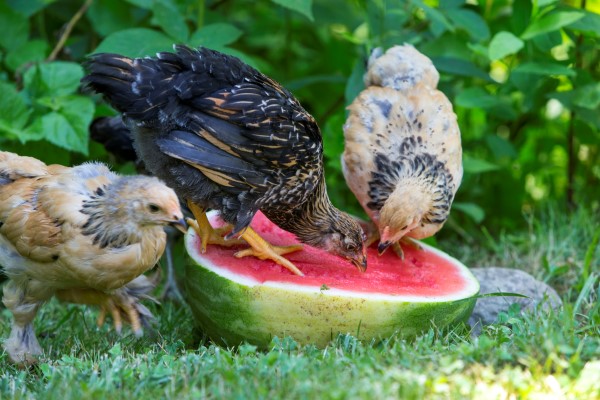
<point>522,75</point>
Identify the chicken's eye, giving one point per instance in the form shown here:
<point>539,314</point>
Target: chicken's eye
<point>153,208</point>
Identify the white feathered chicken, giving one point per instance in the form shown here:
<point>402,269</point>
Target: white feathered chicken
<point>403,155</point>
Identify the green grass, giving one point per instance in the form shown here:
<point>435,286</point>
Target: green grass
<point>548,355</point>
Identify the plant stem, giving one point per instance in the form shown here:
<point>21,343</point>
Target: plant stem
<point>68,28</point>
<point>571,132</point>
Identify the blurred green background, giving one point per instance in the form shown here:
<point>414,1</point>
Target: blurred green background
<point>522,75</point>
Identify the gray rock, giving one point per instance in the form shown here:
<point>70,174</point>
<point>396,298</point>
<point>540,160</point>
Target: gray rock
<point>495,279</point>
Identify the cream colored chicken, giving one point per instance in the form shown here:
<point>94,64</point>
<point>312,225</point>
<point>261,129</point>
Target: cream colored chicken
<point>403,155</point>
<point>83,234</point>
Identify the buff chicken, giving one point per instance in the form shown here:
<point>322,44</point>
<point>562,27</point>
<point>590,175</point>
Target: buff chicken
<point>83,234</point>
<point>402,157</point>
<point>226,137</point>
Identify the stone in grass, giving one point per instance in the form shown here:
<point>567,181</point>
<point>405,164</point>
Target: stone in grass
<point>496,279</point>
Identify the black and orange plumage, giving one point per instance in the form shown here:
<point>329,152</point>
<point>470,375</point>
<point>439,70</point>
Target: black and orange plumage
<point>227,137</point>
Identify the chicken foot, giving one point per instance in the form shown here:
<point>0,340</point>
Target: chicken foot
<point>121,305</point>
<point>372,233</point>
<point>259,247</point>
<point>208,234</point>
<point>263,250</point>
<point>22,345</point>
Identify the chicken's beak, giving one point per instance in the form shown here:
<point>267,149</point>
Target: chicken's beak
<point>180,225</point>
<point>360,262</point>
<point>383,247</point>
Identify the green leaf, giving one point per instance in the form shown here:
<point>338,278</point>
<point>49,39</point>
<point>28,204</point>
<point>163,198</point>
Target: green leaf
<point>472,210</point>
<point>14,28</point>
<point>58,78</point>
<point>355,82</point>
<point>544,68</point>
<point>587,97</point>
<point>68,126</point>
<point>500,147</point>
<point>215,35</point>
<point>459,67</point>
<point>478,166</point>
<point>108,16</point>
<point>302,6</point>
<point>135,42</point>
<point>476,97</point>
<point>145,4</point>
<point>551,22</point>
<point>590,24</point>
<point>503,44</point>
<point>31,52</point>
<point>29,7</point>
<point>14,112</point>
<point>521,15</point>
<point>471,22</point>
<point>170,20</point>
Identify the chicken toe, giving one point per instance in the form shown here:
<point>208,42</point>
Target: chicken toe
<point>263,250</point>
<point>208,234</point>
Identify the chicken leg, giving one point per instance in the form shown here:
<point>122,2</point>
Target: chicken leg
<point>259,247</point>
<point>208,234</point>
<point>22,345</point>
<point>262,249</point>
<point>373,236</point>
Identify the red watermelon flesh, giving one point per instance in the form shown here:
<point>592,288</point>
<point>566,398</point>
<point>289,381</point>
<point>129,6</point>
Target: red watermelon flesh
<point>422,273</point>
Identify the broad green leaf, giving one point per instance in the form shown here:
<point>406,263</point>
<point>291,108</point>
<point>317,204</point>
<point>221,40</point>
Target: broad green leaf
<point>460,67</point>
<point>215,35</point>
<point>31,52</point>
<point>544,68</point>
<point>146,4</point>
<point>58,78</point>
<point>521,15</point>
<point>440,23</point>
<point>477,97</point>
<point>472,210</point>
<point>500,147</point>
<point>478,166</point>
<point>170,20</point>
<point>14,28</point>
<point>590,24</point>
<point>471,22</point>
<point>302,6</point>
<point>504,44</point>
<point>135,42</point>
<point>14,112</point>
<point>29,7</point>
<point>587,97</point>
<point>355,82</point>
<point>66,127</point>
<point>108,16</point>
<point>551,22</point>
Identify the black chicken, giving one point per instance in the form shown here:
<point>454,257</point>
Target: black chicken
<point>229,138</point>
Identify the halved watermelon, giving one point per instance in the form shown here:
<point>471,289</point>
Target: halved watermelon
<point>235,300</point>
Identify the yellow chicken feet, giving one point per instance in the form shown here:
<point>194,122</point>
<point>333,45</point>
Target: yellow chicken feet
<point>408,242</point>
<point>208,234</point>
<point>116,308</point>
<point>262,249</point>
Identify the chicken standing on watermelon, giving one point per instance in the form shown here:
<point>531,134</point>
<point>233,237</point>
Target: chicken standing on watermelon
<point>403,155</point>
<point>226,137</point>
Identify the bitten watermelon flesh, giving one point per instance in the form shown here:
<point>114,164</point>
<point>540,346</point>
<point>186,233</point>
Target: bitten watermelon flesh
<point>235,300</point>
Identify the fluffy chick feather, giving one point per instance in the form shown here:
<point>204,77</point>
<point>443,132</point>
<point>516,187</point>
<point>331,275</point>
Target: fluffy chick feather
<point>402,156</point>
<point>84,234</point>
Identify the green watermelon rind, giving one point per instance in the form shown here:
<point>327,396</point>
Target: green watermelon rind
<point>232,310</point>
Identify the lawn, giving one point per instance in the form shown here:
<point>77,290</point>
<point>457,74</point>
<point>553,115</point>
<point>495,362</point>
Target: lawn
<point>543,355</point>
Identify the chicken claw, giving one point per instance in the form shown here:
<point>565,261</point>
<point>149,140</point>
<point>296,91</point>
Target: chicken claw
<point>408,242</point>
<point>262,249</point>
<point>208,234</point>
